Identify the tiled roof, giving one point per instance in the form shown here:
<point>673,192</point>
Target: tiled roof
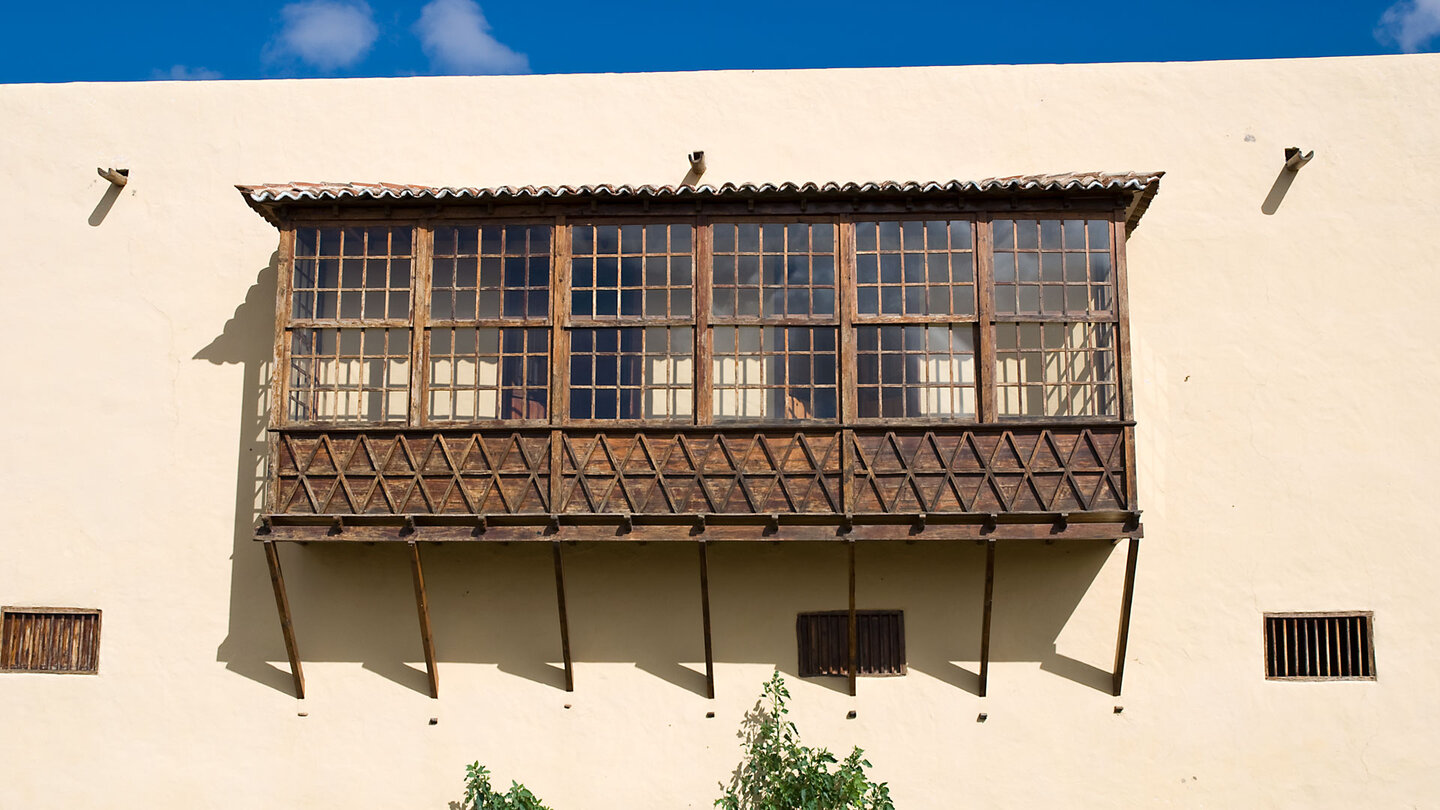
<point>1143,184</point>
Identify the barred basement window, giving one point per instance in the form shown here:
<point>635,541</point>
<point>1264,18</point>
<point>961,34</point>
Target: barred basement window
<point>48,639</point>
<point>1320,646</point>
<point>823,640</point>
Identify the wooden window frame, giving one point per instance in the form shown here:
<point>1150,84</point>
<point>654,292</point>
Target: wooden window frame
<point>9,610</point>
<point>845,320</point>
<point>858,320</point>
<point>566,323</point>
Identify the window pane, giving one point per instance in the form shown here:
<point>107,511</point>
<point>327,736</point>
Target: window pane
<point>358,274</point>
<point>643,372</point>
<point>774,372</point>
<point>924,268</point>
<point>920,370</point>
<point>494,271</point>
<point>349,375</point>
<point>774,269</point>
<point>1056,369</point>
<point>489,373</point>
<point>631,271</point>
<point>1052,267</point>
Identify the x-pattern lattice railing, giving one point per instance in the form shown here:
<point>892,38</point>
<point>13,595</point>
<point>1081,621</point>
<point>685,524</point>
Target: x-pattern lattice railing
<point>987,469</point>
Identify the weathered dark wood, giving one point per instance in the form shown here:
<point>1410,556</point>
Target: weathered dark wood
<point>985,618</point>
<point>564,617</point>
<point>853,649</point>
<point>608,529</point>
<point>422,607</point>
<point>420,276</point>
<point>985,312</point>
<point>287,626</point>
<point>704,343</point>
<point>705,618</point>
<point>1122,638</point>
<point>50,640</point>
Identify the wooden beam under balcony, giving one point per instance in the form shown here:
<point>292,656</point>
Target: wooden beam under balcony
<point>711,528</point>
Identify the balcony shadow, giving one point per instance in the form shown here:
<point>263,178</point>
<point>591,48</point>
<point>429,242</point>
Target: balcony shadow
<point>494,604</point>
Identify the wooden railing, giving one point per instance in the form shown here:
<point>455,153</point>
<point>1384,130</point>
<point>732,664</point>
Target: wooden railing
<point>841,478</point>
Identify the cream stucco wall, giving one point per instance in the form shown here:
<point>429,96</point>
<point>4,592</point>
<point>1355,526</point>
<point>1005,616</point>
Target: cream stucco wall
<point>1286,376</point>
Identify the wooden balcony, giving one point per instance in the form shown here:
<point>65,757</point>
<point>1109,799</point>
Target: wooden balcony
<point>1053,480</point>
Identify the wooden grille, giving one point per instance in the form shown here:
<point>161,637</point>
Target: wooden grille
<point>492,271</point>
<point>489,373</point>
<point>55,640</point>
<point>774,372</point>
<point>915,370</point>
<point>632,372</point>
<point>1052,267</point>
<point>352,274</point>
<point>1319,646</point>
<point>1056,369</point>
<point>915,268</point>
<point>824,642</point>
<point>631,271</point>
<point>774,270</point>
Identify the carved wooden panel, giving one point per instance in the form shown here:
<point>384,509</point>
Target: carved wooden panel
<point>412,473</point>
<point>738,472</point>
<point>994,470</point>
<point>734,471</point>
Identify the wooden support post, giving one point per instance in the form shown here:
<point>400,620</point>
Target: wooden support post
<point>705,617</point>
<point>282,604</point>
<point>985,621</point>
<point>422,606</point>
<point>1123,637</point>
<point>854,656</point>
<point>564,619</point>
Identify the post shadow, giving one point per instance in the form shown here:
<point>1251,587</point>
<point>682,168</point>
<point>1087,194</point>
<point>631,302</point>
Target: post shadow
<point>495,604</point>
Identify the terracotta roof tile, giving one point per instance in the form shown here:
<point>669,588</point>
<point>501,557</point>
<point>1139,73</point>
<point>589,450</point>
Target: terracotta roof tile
<point>1143,184</point>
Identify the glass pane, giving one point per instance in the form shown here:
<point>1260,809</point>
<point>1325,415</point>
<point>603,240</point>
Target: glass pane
<point>489,373</point>
<point>774,373</point>
<point>355,274</point>
<point>1056,369</point>
<point>636,271</point>
<point>349,375</point>
<point>643,372</point>
<point>491,271</point>
<point>1069,259</point>
<point>774,270</point>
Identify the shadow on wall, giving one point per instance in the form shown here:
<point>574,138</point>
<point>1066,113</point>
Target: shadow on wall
<point>495,604</point>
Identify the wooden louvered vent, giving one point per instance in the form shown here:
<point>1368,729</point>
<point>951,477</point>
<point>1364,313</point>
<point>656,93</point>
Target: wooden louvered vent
<point>53,640</point>
<point>823,640</point>
<point>1319,646</point>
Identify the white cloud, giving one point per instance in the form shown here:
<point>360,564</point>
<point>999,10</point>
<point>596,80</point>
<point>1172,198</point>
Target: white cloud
<point>185,73</point>
<point>457,39</point>
<point>326,34</point>
<point>1411,24</point>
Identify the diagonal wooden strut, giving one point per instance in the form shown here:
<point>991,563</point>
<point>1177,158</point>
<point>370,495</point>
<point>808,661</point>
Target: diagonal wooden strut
<point>985,622</point>
<point>705,615</point>
<point>422,606</point>
<point>854,657</point>
<point>287,627</point>
<point>1123,637</point>
<point>564,619</point>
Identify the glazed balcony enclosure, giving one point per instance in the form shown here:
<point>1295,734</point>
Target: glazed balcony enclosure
<point>891,361</point>
<point>838,362</point>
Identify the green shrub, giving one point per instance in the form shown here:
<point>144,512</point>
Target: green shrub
<point>779,773</point>
<point>480,796</point>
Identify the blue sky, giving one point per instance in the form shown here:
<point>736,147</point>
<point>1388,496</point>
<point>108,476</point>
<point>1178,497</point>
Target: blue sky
<point>114,41</point>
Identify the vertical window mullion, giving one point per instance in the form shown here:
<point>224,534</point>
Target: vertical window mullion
<point>560,247</point>
<point>703,247</point>
<point>845,303</point>
<point>420,323</point>
<point>985,371</point>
